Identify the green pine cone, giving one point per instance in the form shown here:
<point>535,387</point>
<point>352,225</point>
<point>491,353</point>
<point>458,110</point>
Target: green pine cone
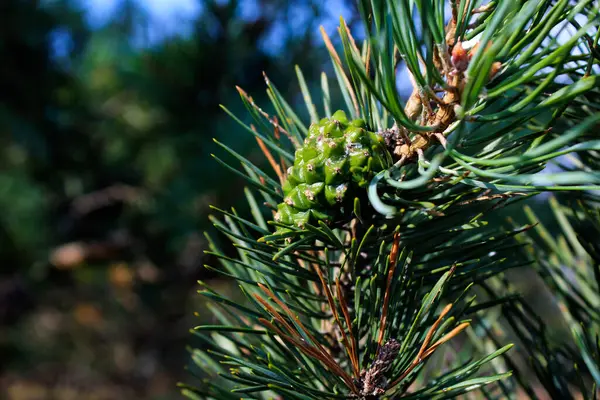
<point>336,161</point>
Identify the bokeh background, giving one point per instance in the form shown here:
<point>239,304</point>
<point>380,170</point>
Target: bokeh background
<point>107,113</point>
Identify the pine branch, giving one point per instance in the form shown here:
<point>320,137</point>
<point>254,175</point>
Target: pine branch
<point>360,257</point>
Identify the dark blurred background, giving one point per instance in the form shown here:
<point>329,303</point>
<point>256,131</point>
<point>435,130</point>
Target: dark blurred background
<point>107,114</point>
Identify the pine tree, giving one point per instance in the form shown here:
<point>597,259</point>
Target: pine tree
<point>374,262</point>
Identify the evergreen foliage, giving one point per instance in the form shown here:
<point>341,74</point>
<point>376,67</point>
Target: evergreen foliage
<point>407,293</point>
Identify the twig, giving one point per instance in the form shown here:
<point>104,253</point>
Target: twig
<point>344,307</point>
<point>386,298</point>
<point>270,158</point>
<point>313,352</point>
<point>317,350</point>
<point>331,302</point>
<point>87,203</point>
